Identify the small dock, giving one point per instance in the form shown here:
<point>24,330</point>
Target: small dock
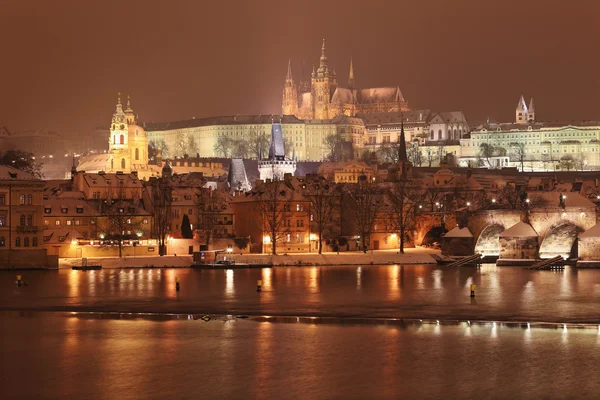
<point>86,267</point>
<point>475,259</point>
<point>555,263</point>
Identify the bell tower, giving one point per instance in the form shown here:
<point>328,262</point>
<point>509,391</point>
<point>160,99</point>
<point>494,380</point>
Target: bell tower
<point>119,139</point>
<point>289,104</point>
<point>323,81</point>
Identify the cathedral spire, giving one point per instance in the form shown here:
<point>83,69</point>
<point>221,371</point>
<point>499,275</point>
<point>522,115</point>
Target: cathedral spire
<point>351,76</point>
<point>402,145</point>
<point>288,77</point>
<point>323,61</point>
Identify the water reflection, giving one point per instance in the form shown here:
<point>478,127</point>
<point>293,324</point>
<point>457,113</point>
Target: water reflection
<point>358,278</point>
<point>313,282</point>
<point>229,283</point>
<point>393,292</point>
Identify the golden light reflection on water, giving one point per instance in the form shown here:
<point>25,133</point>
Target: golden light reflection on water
<point>393,292</point>
<point>92,282</point>
<point>264,356</point>
<point>229,283</point>
<point>437,279</point>
<point>170,279</point>
<point>313,281</point>
<point>267,293</point>
<point>358,278</point>
<point>74,289</point>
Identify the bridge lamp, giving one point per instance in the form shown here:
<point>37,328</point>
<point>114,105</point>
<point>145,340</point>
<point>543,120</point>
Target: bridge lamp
<point>493,200</point>
<point>468,204</point>
<point>420,206</point>
<point>527,201</point>
<point>564,196</point>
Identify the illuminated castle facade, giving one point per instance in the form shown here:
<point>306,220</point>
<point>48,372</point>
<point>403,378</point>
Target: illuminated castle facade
<point>324,99</point>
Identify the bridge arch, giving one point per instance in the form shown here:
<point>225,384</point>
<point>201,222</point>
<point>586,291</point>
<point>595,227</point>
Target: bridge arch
<point>560,240</point>
<point>488,242</point>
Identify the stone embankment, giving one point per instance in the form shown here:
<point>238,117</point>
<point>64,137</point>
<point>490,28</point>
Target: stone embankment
<point>384,257</point>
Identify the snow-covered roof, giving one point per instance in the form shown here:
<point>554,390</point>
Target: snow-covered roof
<point>520,229</point>
<point>459,232</point>
<point>594,231</point>
<point>10,173</point>
<point>552,199</point>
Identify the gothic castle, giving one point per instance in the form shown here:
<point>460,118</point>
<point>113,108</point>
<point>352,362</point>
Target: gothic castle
<point>323,99</point>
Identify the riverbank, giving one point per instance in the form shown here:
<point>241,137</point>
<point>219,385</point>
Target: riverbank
<point>382,257</point>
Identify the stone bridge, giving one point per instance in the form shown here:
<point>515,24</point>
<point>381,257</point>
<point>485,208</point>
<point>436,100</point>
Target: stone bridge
<point>557,228</point>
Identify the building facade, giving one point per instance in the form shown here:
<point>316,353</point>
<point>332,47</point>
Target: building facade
<point>21,227</point>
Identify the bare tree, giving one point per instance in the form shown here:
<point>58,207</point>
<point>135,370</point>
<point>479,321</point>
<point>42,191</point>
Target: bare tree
<point>518,150</point>
<point>257,144</point>
<point>414,154</point>
<point>161,211</point>
<point>209,205</point>
<point>430,155</point>
<point>335,148</point>
<point>156,147</point>
<point>223,146</point>
<point>191,145</point>
<point>274,210</point>
<point>403,196</point>
<point>324,201</point>
<point>121,218</point>
<point>567,162</point>
<point>365,200</point>
<point>180,144</point>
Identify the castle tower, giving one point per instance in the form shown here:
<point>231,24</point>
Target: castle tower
<point>531,111</point>
<point>289,104</point>
<point>323,83</point>
<point>119,140</point>
<point>277,164</point>
<point>521,113</point>
<point>351,84</point>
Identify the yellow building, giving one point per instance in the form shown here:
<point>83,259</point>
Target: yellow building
<point>127,147</point>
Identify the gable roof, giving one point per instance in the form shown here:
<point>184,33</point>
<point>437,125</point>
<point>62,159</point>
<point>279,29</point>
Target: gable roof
<point>594,231</point>
<point>520,229</point>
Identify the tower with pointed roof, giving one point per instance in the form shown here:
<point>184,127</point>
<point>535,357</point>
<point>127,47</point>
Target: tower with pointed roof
<point>290,94</point>
<point>531,111</point>
<point>119,140</point>
<point>351,84</point>
<point>277,164</point>
<point>323,84</point>
<point>524,114</point>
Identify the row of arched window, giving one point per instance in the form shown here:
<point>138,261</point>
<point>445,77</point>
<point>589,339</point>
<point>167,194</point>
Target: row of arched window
<point>34,242</point>
<point>26,220</point>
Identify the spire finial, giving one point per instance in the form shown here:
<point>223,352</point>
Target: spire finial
<point>351,76</point>
<point>323,61</point>
<point>128,102</point>
<point>119,98</point>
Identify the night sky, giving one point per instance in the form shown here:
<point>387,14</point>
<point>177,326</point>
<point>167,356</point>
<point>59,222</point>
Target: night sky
<point>63,62</point>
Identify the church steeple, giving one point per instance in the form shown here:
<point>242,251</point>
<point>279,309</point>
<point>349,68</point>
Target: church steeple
<point>289,103</point>
<point>323,67</point>
<point>129,112</point>
<point>351,77</point>
<point>288,77</point>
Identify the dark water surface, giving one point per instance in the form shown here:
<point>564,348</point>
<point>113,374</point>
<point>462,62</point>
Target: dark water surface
<point>50,357</point>
<point>416,291</point>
